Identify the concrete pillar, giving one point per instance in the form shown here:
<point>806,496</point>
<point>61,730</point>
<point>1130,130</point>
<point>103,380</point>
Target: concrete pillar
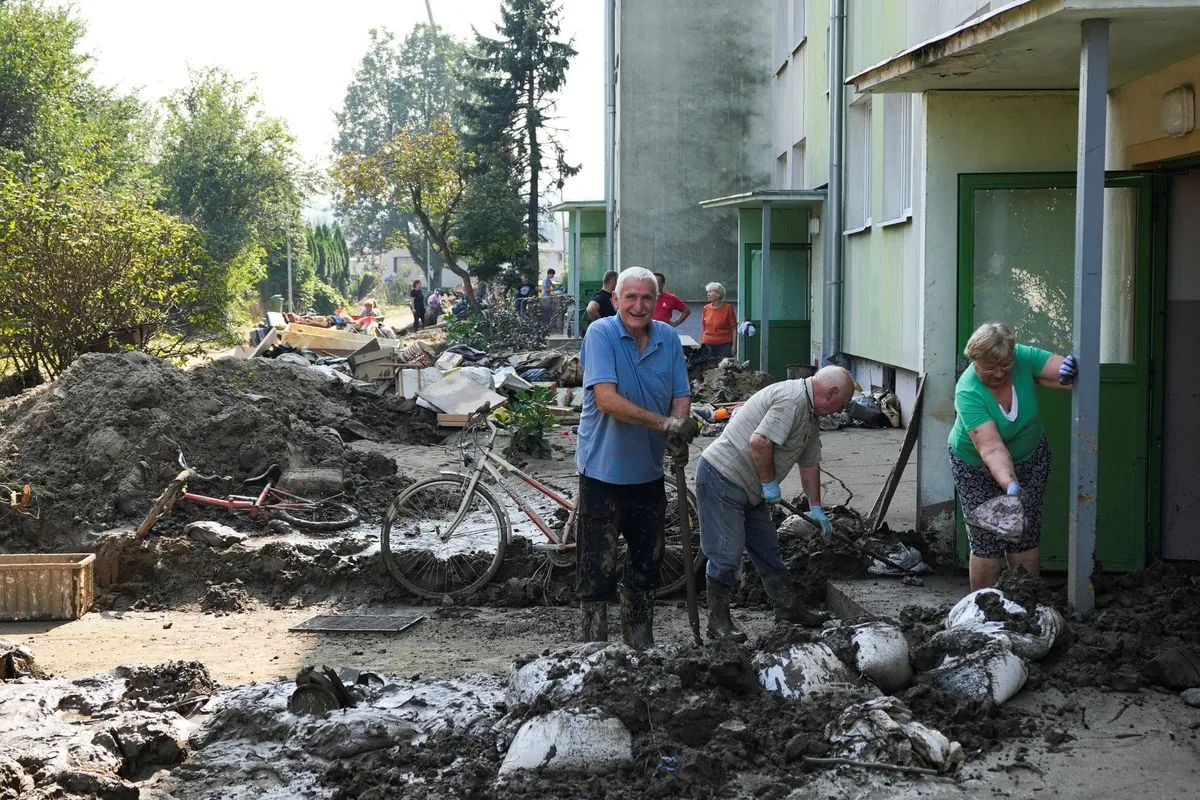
<point>1089,252</point>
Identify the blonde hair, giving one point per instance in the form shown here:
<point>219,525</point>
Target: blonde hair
<point>991,341</point>
<point>715,287</point>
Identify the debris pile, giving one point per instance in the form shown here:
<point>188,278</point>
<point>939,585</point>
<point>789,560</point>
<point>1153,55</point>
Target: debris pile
<point>730,381</point>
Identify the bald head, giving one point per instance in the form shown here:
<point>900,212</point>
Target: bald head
<point>832,389</point>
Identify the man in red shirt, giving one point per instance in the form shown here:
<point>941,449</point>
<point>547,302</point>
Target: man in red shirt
<point>668,304</point>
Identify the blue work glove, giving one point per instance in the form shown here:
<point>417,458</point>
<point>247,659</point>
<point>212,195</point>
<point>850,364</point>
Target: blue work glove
<point>1014,489</point>
<point>770,493</point>
<point>1068,371</point>
<point>818,515</point>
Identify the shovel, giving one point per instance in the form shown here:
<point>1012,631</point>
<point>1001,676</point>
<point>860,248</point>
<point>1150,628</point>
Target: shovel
<point>685,533</point>
<point>1001,516</point>
<point>846,540</point>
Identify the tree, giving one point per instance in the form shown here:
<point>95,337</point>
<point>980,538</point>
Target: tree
<point>397,85</point>
<point>233,172</point>
<point>425,173</point>
<point>82,268</point>
<point>515,79</point>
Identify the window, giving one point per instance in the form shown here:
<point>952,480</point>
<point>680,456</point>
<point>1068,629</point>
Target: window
<point>858,165</point>
<point>781,171</point>
<point>799,22</point>
<point>797,165</point>
<point>782,47</point>
<point>897,157</point>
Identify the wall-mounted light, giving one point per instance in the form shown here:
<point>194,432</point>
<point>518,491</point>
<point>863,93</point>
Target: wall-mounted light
<point>1178,111</point>
<point>814,225</point>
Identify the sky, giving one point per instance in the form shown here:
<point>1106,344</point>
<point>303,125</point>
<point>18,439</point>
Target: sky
<point>302,60</point>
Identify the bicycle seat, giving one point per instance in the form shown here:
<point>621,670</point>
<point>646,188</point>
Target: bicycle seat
<point>271,475</point>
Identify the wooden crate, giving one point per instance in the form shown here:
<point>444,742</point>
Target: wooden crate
<point>45,585</point>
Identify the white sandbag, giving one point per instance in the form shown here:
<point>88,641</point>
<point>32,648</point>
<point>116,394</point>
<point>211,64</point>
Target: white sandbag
<point>883,730</point>
<point>967,615</point>
<point>882,655</point>
<point>532,681</point>
<point>479,375</point>
<point>568,740</point>
<point>802,670</point>
<point>991,673</point>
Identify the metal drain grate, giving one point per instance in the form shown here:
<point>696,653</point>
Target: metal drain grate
<point>359,623</point>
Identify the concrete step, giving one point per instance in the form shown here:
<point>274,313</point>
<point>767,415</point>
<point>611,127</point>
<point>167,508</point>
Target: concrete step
<point>885,597</point>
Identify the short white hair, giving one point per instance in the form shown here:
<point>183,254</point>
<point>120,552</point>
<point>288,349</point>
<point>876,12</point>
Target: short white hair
<point>636,274</point>
<point>715,287</point>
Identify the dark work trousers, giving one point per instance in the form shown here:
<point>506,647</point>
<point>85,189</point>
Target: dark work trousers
<point>606,511</point>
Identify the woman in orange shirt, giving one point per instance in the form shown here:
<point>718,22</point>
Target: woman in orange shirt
<point>718,325</point>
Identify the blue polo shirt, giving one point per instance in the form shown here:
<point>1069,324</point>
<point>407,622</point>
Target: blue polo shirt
<point>610,450</point>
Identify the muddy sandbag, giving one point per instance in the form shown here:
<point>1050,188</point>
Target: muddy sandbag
<point>556,677</point>
<point>991,673</point>
<point>991,613</point>
<point>878,651</point>
<point>1175,668</point>
<point>569,740</point>
<point>803,670</point>
<point>883,730</point>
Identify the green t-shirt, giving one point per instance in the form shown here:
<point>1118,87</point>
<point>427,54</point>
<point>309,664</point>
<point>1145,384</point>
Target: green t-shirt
<point>974,406</point>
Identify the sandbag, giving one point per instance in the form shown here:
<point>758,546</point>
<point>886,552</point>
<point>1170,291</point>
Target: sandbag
<point>568,740</point>
<point>880,653</point>
<point>883,730</point>
<point>1028,638</point>
<point>802,670</point>
<point>555,677</point>
<point>990,674</point>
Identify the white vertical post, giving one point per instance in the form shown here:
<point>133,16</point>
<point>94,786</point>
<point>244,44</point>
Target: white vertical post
<point>1089,250</point>
<point>289,257</point>
<point>764,296</point>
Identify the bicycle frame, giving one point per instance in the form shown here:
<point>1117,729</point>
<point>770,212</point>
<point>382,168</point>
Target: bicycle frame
<point>252,504</point>
<point>497,468</point>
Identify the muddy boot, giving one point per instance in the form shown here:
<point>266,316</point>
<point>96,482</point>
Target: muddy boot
<point>637,618</point>
<point>720,626</point>
<point>787,605</point>
<point>595,621</point>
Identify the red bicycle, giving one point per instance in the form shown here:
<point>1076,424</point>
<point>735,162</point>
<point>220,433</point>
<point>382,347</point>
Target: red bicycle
<point>270,502</point>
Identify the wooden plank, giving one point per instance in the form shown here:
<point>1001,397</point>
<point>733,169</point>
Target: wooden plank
<point>268,341</point>
<point>879,510</point>
<point>453,420</point>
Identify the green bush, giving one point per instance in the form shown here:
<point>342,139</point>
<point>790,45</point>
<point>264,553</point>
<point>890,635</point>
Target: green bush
<point>529,421</point>
<point>368,284</point>
<point>326,299</point>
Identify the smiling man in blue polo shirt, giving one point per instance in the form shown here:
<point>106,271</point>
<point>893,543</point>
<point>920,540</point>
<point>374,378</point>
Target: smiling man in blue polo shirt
<point>637,397</point>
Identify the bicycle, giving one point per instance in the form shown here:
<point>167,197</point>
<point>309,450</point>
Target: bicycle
<point>446,536</point>
<point>270,502</point>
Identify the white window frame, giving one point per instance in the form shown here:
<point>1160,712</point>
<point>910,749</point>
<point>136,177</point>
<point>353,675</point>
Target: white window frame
<point>781,48</point>
<point>799,23</point>
<point>858,166</point>
<point>796,160</point>
<point>897,158</point>
<point>781,171</point>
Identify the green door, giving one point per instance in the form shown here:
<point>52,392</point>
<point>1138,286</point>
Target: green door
<point>790,332</point>
<point>1017,266</point>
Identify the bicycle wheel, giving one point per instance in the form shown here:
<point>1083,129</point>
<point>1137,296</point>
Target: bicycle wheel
<point>671,577</point>
<point>317,515</point>
<point>426,564</point>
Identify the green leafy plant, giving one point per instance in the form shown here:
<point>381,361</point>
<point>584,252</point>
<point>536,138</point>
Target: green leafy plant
<point>529,421</point>
<point>469,332</point>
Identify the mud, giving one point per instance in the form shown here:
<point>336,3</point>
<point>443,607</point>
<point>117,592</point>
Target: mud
<point>99,443</point>
<point>729,382</point>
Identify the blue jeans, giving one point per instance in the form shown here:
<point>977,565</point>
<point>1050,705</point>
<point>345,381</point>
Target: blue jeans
<point>729,524</point>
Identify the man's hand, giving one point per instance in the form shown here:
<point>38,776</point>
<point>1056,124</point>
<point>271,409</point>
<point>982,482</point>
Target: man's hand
<point>770,492</point>
<point>819,517</point>
<point>683,428</point>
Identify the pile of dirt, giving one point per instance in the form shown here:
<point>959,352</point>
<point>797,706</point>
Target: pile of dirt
<point>729,382</point>
<point>101,442</point>
<point>168,684</point>
<point>227,598</point>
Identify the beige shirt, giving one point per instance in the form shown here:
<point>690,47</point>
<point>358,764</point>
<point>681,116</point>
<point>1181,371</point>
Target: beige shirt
<point>782,412</point>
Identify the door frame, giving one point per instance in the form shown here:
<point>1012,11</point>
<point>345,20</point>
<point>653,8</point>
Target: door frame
<point>748,291</point>
<point>1150,305</point>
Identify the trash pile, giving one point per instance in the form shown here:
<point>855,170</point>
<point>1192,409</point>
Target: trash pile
<point>730,381</point>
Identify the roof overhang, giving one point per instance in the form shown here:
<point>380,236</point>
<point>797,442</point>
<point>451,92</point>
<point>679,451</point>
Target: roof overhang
<point>778,198</point>
<point>578,205</point>
<point>1034,45</point>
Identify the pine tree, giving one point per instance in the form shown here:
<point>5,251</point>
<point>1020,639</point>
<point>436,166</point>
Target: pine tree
<point>515,79</point>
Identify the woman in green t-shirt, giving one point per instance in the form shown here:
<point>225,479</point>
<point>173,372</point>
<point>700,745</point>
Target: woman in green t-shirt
<point>998,446</point>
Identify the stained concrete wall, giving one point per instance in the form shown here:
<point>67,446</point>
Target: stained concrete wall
<point>694,122</point>
<point>967,132</point>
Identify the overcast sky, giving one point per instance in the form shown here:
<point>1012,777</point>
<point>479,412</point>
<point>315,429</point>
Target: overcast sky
<point>302,58</point>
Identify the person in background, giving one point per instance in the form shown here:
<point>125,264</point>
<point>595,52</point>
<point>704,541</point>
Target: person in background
<point>637,401</point>
<point>417,304</point>
<point>668,304</point>
<point>434,307</point>
<point>718,325</point>
<point>998,445</point>
<point>738,477</point>
<point>601,304</point>
<point>548,283</point>
<point>524,291</point>
<point>370,308</point>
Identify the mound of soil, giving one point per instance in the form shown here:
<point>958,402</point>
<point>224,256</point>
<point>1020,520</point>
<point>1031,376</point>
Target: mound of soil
<point>729,382</point>
<point>167,684</point>
<point>101,442</point>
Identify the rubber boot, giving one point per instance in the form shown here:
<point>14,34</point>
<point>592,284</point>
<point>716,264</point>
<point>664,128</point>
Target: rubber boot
<point>788,607</point>
<point>595,621</point>
<point>637,618</point>
<point>720,625</point>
